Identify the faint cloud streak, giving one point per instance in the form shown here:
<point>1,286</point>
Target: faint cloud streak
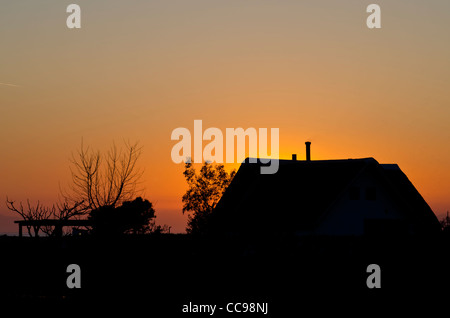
<point>10,85</point>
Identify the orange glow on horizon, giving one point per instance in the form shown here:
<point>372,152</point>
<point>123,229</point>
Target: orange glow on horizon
<point>138,72</point>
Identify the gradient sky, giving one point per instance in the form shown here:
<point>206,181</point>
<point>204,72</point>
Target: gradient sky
<point>136,70</point>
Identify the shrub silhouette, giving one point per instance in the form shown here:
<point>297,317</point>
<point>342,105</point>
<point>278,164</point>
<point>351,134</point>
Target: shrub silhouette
<point>132,217</point>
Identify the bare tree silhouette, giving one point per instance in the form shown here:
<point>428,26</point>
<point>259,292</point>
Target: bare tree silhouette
<point>31,213</point>
<point>60,211</point>
<point>104,180</point>
<point>97,181</point>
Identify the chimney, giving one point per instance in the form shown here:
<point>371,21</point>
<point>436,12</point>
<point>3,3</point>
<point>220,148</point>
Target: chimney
<point>294,157</point>
<point>308,150</point>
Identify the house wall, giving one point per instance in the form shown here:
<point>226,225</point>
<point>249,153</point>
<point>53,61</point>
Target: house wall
<point>347,216</point>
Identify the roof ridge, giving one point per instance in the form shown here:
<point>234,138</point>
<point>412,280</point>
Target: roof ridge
<point>248,160</point>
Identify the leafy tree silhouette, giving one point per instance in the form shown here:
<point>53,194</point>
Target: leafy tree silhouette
<point>204,192</point>
<point>445,223</point>
<point>132,217</point>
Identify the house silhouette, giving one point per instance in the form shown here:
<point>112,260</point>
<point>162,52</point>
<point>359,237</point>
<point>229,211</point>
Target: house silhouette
<point>350,197</point>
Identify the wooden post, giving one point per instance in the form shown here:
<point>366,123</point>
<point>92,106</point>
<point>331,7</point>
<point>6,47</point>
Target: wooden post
<point>58,229</point>
<point>20,230</point>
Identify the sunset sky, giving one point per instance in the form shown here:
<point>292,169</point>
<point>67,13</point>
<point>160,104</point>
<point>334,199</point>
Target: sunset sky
<point>136,70</point>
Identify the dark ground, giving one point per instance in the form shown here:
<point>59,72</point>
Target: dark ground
<point>158,274</point>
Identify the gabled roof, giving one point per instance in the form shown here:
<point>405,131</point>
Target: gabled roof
<point>419,210</point>
<point>300,193</point>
